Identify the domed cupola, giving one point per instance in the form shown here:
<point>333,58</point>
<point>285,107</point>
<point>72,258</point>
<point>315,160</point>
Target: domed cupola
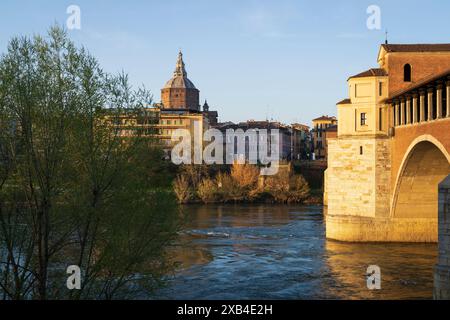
<point>179,92</point>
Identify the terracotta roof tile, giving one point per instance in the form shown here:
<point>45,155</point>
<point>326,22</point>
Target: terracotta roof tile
<point>438,47</point>
<point>374,72</point>
<point>345,101</point>
<point>324,118</point>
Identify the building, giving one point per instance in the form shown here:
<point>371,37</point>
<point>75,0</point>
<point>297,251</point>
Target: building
<point>179,109</point>
<point>292,142</point>
<point>318,139</point>
<point>392,148</point>
<point>301,142</point>
<point>329,133</point>
<point>179,93</point>
<point>211,115</point>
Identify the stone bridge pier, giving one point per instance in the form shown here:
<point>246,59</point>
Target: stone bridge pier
<point>442,269</point>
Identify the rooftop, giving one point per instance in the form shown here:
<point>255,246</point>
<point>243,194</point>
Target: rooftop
<point>437,47</point>
<point>345,101</point>
<point>374,72</point>
<point>325,118</point>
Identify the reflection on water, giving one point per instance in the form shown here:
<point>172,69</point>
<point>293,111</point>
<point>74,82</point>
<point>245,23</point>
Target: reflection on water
<point>280,252</point>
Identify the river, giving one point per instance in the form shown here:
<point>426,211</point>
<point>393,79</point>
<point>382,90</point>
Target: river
<point>280,252</point>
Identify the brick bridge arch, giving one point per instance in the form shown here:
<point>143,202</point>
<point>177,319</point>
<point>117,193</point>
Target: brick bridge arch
<point>425,164</point>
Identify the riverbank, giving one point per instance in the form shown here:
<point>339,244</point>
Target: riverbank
<point>241,184</point>
<point>315,200</point>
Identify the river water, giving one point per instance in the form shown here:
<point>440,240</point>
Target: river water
<point>280,252</point>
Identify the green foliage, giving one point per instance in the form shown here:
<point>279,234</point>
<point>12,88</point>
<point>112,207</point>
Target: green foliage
<point>73,190</point>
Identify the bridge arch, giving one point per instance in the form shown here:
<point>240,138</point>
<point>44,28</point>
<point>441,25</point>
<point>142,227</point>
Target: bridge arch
<point>425,164</point>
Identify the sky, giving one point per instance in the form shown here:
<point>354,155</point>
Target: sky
<point>284,60</point>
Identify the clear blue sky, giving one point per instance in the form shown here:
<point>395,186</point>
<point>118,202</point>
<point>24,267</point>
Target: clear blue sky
<point>287,60</point>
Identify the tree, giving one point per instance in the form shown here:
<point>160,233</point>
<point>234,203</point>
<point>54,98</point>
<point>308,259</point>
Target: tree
<point>73,189</point>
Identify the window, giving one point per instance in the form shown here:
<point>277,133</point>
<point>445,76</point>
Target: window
<point>380,119</point>
<point>361,151</point>
<point>380,89</point>
<point>363,118</point>
<point>407,73</point>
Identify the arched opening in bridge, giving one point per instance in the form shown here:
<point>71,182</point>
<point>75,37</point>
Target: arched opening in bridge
<point>417,188</point>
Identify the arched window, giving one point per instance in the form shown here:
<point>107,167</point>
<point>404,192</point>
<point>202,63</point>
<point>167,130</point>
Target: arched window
<point>407,73</point>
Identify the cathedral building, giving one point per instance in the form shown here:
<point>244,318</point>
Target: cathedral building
<point>179,109</point>
<point>180,106</point>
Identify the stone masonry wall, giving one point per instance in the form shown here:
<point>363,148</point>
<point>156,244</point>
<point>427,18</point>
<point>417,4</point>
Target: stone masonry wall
<point>442,270</point>
<point>383,177</point>
<point>351,177</point>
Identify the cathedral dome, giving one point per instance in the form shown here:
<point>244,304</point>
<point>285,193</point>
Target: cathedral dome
<point>179,79</point>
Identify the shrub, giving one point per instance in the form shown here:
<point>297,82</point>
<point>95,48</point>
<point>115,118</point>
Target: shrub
<point>278,186</point>
<point>207,190</point>
<point>194,174</point>
<point>228,189</point>
<point>246,178</point>
<point>298,189</point>
<point>246,175</point>
<point>285,188</point>
<point>182,189</point>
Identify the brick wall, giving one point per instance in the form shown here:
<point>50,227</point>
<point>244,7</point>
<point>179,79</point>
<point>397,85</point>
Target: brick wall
<point>423,65</point>
<point>405,135</point>
<point>180,98</point>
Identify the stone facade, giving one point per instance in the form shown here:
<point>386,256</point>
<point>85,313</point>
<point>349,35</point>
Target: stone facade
<point>358,181</point>
<point>351,177</point>
<point>442,270</point>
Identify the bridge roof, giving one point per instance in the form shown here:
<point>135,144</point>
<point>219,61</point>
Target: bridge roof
<point>429,47</point>
<point>418,85</point>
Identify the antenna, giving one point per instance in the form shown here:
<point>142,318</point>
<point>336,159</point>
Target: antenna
<point>386,41</point>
